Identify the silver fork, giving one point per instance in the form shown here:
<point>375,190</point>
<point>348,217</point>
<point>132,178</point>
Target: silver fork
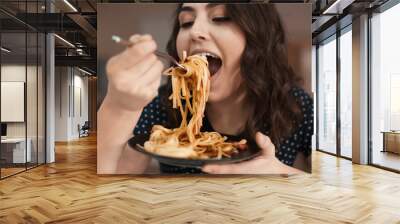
<point>127,43</point>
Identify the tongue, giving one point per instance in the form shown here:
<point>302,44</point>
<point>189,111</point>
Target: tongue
<point>213,65</point>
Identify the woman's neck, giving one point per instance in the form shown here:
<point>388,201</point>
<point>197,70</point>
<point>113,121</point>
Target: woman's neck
<point>229,116</point>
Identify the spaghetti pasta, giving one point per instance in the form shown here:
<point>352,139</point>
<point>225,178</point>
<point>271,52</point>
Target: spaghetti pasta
<point>190,90</point>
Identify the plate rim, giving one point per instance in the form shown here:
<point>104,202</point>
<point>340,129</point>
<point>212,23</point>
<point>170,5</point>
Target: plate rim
<point>140,148</point>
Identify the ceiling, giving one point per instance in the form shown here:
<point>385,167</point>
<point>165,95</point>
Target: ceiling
<point>76,24</point>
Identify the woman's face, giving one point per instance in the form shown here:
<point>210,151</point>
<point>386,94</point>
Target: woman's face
<point>206,28</point>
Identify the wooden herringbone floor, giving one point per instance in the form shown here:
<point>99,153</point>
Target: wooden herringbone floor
<point>69,191</point>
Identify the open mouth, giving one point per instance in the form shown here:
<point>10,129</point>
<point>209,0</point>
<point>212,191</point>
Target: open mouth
<point>214,62</point>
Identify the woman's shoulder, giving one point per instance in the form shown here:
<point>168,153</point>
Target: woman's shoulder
<point>307,107</point>
<point>303,98</point>
<point>300,139</point>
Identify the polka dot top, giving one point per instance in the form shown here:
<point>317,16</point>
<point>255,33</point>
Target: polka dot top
<point>299,141</point>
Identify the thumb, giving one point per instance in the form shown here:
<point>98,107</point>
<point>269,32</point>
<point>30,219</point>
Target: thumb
<point>265,144</point>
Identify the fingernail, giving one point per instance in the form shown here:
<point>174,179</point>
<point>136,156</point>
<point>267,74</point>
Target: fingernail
<point>260,136</point>
<point>135,38</point>
<point>145,37</point>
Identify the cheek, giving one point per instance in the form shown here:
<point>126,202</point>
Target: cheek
<point>232,42</point>
<point>234,48</point>
<point>237,40</point>
<point>181,44</point>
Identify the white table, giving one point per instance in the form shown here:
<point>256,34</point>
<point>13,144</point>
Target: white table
<point>18,145</point>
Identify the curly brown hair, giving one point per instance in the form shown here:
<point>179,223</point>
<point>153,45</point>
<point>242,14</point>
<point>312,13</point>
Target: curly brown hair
<point>267,76</point>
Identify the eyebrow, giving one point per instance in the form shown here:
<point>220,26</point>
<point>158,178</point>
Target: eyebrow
<point>191,9</point>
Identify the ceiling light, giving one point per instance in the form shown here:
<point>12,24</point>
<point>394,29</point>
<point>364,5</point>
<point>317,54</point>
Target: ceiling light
<point>337,7</point>
<point>5,50</point>
<point>84,71</point>
<point>71,6</point>
<point>65,41</point>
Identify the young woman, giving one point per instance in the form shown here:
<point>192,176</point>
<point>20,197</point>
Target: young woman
<point>254,93</point>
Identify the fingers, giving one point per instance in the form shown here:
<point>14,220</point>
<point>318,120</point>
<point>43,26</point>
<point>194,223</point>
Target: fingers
<point>142,47</point>
<point>241,145</point>
<point>134,75</point>
<point>141,67</point>
<point>154,73</point>
<point>253,166</point>
<point>219,169</point>
<point>136,53</point>
<point>147,71</point>
<point>152,79</point>
<point>136,38</point>
<point>154,86</point>
<point>265,144</point>
<point>248,167</point>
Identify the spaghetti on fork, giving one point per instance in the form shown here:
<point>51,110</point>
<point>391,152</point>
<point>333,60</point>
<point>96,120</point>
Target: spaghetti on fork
<point>190,91</point>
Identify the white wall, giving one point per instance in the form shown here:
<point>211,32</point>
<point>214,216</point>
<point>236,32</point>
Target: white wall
<point>71,94</point>
<point>16,73</point>
<point>314,91</point>
<point>62,81</point>
<point>33,126</point>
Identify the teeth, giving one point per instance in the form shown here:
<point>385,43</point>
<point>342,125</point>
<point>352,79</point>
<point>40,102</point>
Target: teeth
<point>208,54</point>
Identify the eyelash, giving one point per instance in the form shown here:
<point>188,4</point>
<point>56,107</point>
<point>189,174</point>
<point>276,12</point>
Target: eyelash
<point>215,19</point>
<point>186,25</point>
<point>221,19</point>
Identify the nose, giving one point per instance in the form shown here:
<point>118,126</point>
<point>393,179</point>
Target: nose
<point>199,31</point>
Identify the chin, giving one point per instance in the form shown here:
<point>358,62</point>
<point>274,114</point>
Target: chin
<point>216,97</point>
<point>212,98</point>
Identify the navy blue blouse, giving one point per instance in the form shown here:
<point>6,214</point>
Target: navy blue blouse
<point>299,141</point>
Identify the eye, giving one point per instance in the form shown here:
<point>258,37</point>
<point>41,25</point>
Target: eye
<point>186,24</point>
<point>221,19</point>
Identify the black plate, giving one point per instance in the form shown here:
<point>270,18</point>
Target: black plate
<point>138,141</point>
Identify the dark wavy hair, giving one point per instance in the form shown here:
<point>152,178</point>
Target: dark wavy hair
<point>267,76</point>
